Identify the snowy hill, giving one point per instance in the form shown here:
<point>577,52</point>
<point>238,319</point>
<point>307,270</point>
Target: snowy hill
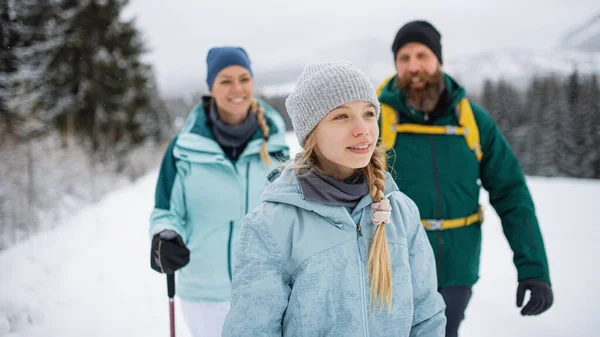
<point>519,66</point>
<point>585,37</point>
<point>515,66</point>
<point>91,277</point>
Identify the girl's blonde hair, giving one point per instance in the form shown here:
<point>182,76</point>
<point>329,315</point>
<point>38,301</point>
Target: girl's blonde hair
<point>262,122</point>
<point>380,271</point>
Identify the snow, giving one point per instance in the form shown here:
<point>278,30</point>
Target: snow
<point>517,67</point>
<point>583,34</point>
<point>90,276</point>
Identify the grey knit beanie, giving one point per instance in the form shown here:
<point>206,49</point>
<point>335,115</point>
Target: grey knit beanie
<point>323,87</point>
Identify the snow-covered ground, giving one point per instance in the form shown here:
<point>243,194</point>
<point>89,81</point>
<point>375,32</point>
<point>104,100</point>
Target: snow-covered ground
<point>90,276</point>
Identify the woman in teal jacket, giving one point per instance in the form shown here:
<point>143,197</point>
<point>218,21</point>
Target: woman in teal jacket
<point>334,249</point>
<point>212,173</point>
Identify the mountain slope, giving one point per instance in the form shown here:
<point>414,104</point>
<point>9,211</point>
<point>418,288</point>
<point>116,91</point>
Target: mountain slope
<point>585,37</point>
<point>515,66</point>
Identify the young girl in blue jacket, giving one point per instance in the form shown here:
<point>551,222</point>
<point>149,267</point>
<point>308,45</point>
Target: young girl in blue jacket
<point>213,172</point>
<point>334,249</point>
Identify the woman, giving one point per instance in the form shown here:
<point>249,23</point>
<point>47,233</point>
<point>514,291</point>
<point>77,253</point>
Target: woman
<point>213,172</point>
<point>334,249</point>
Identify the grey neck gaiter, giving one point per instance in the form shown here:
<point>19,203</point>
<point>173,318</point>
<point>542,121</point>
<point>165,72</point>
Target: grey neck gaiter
<point>319,187</point>
<point>228,135</point>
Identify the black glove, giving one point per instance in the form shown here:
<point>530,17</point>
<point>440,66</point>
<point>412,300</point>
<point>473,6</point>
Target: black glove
<point>168,252</point>
<point>540,299</point>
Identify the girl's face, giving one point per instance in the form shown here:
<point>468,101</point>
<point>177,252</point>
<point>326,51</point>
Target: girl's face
<point>232,91</point>
<point>346,138</point>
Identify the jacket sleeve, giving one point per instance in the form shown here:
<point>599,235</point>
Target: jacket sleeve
<point>429,319</point>
<point>260,282</point>
<point>169,206</point>
<point>502,177</point>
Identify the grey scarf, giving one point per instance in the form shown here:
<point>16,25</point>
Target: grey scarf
<point>319,187</point>
<point>228,135</point>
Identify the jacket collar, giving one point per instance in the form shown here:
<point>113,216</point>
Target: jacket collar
<point>283,187</point>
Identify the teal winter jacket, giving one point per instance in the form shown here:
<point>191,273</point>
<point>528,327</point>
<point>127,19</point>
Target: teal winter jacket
<point>301,269</point>
<point>203,196</point>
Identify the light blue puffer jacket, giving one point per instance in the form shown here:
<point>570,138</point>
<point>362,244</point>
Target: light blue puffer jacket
<point>203,197</point>
<point>301,269</point>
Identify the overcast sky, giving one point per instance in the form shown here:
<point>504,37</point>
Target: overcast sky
<point>279,33</point>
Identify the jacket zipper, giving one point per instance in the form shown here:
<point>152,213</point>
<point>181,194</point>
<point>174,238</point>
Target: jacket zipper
<point>229,241</point>
<point>247,186</point>
<point>438,206</point>
<point>359,242</point>
<point>229,250</point>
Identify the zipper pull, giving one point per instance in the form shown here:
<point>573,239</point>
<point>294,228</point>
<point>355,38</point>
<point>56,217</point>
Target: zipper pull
<point>358,230</point>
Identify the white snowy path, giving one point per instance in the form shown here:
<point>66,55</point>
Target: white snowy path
<point>91,277</point>
<point>88,277</point>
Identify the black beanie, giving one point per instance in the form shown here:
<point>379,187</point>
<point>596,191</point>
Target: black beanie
<point>422,32</point>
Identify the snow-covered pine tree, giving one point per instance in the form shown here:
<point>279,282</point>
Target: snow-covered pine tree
<point>508,105</point>
<point>33,100</point>
<point>589,138</point>
<point>114,90</point>
<point>84,75</point>
<point>145,113</point>
<point>555,104</point>
<point>595,108</point>
<point>569,104</point>
<point>156,122</point>
<point>544,109</point>
<point>8,67</point>
<point>488,96</point>
<point>532,131</point>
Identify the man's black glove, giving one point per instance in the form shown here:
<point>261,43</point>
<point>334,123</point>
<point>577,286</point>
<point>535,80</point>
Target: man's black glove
<point>168,252</point>
<point>540,299</point>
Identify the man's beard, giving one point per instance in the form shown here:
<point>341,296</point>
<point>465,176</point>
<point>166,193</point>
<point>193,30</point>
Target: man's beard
<point>423,99</point>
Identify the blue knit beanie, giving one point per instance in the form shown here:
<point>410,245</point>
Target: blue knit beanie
<point>219,58</point>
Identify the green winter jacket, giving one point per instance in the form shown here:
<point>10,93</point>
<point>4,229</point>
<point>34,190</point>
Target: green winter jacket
<point>442,175</point>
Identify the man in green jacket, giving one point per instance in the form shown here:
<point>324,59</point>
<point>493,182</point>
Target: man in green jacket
<point>441,169</point>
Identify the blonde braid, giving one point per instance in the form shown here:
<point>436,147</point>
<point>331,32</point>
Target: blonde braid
<point>262,122</point>
<point>380,271</point>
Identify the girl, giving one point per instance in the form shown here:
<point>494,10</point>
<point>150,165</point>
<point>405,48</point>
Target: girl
<point>213,172</point>
<point>334,249</point>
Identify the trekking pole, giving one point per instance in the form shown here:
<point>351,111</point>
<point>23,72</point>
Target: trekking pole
<point>171,293</point>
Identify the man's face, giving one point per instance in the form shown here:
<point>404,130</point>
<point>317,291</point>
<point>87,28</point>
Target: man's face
<point>420,75</point>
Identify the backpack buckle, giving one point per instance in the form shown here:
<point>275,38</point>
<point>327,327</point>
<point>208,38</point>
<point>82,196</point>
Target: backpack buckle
<point>433,224</point>
<point>451,130</point>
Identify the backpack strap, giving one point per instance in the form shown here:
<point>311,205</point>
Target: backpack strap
<point>467,121</point>
<point>467,126</point>
<point>431,129</point>
<point>389,120</point>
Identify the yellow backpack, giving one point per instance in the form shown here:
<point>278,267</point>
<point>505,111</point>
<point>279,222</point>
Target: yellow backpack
<point>467,126</point>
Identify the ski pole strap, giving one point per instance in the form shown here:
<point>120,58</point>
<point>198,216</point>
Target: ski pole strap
<point>171,285</point>
<point>443,224</point>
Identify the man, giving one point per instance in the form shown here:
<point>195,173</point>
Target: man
<point>440,146</point>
